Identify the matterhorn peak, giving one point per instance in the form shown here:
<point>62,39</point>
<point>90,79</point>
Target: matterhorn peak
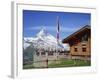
<point>42,32</point>
<point>44,40</point>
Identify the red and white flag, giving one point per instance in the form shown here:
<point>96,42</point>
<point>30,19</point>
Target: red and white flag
<point>58,28</point>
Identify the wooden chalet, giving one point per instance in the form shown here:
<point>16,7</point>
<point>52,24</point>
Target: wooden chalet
<point>80,43</point>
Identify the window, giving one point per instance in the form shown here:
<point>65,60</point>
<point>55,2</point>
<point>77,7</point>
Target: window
<point>42,53</point>
<point>37,53</point>
<point>83,49</point>
<point>85,37</point>
<point>75,49</point>
<point>50,53</point>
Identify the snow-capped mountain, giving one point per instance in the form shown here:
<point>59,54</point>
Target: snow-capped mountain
<point>43,40</point>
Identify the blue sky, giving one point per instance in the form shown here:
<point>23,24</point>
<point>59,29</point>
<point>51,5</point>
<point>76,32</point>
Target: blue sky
<point>69,22</point>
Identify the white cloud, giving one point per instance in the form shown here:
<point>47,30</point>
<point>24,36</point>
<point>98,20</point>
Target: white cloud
<point>69,29</point>
<point>53,28</point>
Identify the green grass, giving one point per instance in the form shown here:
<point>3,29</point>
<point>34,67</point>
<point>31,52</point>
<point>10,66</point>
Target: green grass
<point>28,66</point>
<point>62,63</point>
<point>70,63</point>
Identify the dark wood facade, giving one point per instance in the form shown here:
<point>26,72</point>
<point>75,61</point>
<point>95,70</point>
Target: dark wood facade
<point>80,43</point>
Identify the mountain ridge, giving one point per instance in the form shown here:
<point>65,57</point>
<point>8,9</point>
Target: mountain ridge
<point>44,40</point>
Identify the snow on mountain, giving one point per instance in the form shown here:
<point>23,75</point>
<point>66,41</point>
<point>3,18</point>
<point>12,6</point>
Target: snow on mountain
<point>26,45</point>
<point>42,33</point>
<point>44,40</point>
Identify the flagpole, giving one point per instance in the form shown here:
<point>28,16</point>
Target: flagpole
<point>57,34</point>
<point>58,29</point>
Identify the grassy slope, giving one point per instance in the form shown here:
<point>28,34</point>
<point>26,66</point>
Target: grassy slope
<point>64,63</point>
<point>70,63</point>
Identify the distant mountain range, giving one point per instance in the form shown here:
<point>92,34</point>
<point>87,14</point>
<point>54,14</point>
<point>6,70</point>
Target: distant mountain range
<point>44,40</point>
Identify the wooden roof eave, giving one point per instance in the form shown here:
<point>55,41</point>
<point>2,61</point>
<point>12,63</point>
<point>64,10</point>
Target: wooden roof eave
<point>66,40</point>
